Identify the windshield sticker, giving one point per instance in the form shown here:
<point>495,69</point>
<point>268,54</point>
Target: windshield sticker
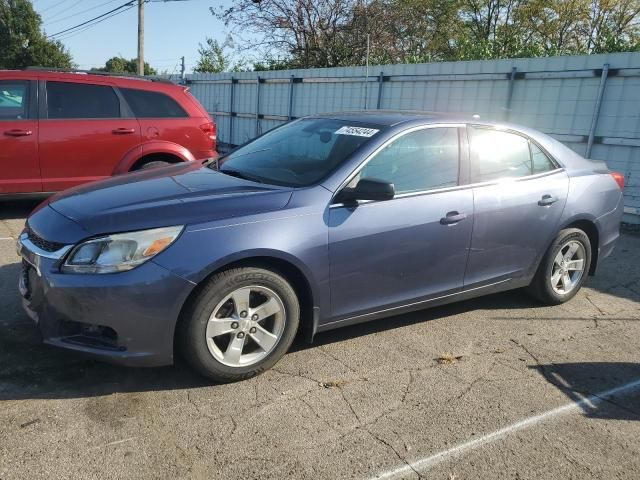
<point>357,131</point>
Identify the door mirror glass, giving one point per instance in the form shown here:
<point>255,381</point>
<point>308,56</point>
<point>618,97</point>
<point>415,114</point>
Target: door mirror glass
<point>367,189</point>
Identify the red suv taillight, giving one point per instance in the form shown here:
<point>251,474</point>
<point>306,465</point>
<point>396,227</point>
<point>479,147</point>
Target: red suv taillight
<point>619,178</point>
<point>209,129</point>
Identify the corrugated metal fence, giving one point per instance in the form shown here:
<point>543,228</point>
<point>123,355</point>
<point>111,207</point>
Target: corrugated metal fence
<point>591,103</point>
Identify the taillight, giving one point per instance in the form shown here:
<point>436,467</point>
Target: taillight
<point>209,129</point>
<point>619,178</point>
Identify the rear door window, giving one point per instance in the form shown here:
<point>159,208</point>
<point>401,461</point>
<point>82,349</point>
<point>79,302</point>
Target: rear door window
<point>147,104</point>
<point>14,100</point>
<point>496,154</point>
<point>66,100</point>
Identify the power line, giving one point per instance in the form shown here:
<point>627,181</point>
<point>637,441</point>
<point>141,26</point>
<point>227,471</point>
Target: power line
<point>87,27</point>
<point>117,9</point>
<point>52,6</point>
<point>57,15</point>
<point>80,13</point>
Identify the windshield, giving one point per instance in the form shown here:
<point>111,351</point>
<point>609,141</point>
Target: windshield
<point>300,153</point>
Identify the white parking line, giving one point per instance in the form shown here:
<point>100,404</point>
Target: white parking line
<point>7,238</point>
<point>425,463</point>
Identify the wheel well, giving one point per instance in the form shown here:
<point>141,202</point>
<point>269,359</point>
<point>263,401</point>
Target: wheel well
<point>591,230</point>
<point>291,274</point>
<point>155,157</point>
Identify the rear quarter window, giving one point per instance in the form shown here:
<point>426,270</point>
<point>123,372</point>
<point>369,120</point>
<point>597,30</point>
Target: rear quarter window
<point>145,104</point>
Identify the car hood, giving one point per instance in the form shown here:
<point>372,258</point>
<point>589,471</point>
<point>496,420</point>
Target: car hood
<point>176,195</point>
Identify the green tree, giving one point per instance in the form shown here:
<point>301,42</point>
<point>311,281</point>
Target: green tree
<point>270,63</point>
<point>213,58</point>
<point>22,43</point>
<point>329,33</point>
<point>124,65</point>
<point>305,33</point>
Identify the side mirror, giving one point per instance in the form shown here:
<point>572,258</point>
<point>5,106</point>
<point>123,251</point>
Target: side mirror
<point>367,189</point>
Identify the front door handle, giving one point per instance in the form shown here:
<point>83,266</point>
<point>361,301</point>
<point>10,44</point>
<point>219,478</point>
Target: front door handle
<point>123,131</point>
<point>453,217</point>
<point>18,133</point>
<point>547,200</point>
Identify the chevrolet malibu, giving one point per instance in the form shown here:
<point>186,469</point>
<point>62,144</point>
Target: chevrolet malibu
<point>326,221</point>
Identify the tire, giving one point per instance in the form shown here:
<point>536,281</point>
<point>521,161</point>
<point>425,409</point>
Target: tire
<point>153,164</point>
<point>212,324</point>
<point>549,285</point>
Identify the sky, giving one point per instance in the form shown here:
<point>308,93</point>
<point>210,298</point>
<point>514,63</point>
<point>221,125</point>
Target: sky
<point>172,29</point>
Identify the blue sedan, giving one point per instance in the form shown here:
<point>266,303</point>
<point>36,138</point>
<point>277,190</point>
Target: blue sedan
<point>323,222</point>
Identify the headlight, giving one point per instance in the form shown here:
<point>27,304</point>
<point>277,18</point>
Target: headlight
<point>119,252</point>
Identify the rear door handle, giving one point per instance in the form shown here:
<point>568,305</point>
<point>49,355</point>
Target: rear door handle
<point>123,131</point>
<point>547,200</point>
<point>452,217</point>
<point>18,133</point>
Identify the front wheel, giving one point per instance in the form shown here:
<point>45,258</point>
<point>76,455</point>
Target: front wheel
<point>563,269</point>
<point>240,324</point>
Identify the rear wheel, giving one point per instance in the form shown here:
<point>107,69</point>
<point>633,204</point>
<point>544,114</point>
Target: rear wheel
<point>240,324</point>
<point>153,164</point>
<point>563,269</point>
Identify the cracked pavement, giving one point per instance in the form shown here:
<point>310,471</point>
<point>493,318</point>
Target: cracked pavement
<point>360,402</point>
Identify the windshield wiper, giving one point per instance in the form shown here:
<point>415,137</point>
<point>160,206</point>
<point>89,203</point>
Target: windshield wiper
<point>235,173</point>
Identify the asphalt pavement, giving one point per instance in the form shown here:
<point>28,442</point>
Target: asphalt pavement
<point>492,388</point>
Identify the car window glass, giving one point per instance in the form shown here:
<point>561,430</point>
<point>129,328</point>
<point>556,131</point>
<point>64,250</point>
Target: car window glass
<point>541,163</point>
<point>496,154</point>
<point>152,104</point>
<point>299,153</point>
<point>79,100</point>
<point>420,160</point>
<point>14,97</point>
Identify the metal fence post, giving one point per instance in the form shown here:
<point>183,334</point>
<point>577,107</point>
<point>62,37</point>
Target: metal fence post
<point>233,84</point>
<point>512,79</point>
<point>290,111</point>
<point>258,106</point>
<point>596,110</point>
<point>380,81</point>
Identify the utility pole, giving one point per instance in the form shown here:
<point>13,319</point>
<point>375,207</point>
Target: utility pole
<point>183,70</point>
<point>366,78</point>
<point>141,37</point>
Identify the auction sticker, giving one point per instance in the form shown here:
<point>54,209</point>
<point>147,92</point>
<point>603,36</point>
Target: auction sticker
<point>357,131</point>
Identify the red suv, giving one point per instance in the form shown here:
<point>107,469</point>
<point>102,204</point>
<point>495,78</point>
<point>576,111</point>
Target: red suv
<point>60,129</point>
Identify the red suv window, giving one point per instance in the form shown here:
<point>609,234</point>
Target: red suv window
<point>79,100</point>
<point>14,100</point>
<point>152,104</point>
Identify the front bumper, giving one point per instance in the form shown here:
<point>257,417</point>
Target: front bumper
<point>127,318</point>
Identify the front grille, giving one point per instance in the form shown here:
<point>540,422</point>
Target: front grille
<point>44,244</point>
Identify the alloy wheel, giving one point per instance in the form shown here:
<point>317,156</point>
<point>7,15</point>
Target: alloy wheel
<point>568,267</point>
<point>245,326</point>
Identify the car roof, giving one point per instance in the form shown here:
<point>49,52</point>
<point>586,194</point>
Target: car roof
<point>390,118</point>
<point>119,79</point>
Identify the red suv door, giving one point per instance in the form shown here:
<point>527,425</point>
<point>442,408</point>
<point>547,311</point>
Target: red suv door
<point>19,169</point>
<point>84,133</point>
